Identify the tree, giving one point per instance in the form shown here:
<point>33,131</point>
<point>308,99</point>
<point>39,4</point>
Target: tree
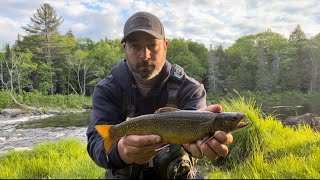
<point>263,73</point>
<point>45,24</point>
<point>217,66</point>
<point>242,59</point>
<point>80,64</point>
<point>179,53</point>
<point>275,71</point>
<point>302,63</point>
<point>297,34</point>
<point>16,70</point>
<point>312,49</point>
<point>1,68</point>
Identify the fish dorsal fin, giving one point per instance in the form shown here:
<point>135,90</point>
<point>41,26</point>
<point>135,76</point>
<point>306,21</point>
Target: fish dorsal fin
<point>166,109</point>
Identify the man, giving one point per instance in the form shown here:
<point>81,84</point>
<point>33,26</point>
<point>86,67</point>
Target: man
<point>140,84</point>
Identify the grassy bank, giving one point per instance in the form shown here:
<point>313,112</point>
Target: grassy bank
<point>36,99</point>
<point>266,149</point>
<point>54,160</point>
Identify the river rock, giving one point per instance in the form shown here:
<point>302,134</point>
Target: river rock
<point>11,112</point>
<point>309,118</point>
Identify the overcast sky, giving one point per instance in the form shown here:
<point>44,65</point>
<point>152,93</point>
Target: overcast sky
<point>204,21</point>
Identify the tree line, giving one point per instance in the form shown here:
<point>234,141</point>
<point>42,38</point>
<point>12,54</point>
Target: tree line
<point>49,62</point>
<point>268,62</point>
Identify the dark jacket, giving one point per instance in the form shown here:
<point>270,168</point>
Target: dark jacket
<point>108,104</point>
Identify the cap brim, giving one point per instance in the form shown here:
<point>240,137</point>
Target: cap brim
<point>154,34</point>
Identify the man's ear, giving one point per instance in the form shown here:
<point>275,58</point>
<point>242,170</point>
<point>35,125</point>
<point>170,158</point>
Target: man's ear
<point>166,43</point>
<point>124,45</point>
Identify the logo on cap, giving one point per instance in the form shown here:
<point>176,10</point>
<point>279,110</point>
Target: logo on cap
<point>140,21</point>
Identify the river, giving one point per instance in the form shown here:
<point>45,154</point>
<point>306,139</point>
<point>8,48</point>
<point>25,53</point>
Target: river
<point>22,133</point>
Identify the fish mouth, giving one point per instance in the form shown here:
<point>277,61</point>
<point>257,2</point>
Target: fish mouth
<point>243,124</point>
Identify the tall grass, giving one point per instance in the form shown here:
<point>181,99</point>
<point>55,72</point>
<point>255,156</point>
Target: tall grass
<point>55,160</point>
<point>267,149</point>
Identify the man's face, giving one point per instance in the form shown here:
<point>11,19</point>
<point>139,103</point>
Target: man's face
<point>145,55</point>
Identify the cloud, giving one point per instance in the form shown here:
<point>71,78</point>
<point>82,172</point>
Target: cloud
<point>204,21</point>
<point>9,31</point>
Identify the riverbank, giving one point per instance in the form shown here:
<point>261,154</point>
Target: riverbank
<point>13,138</point>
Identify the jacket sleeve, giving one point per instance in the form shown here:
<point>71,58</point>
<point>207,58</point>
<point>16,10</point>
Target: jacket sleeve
<point>191,95</point>
<point>106,109</point>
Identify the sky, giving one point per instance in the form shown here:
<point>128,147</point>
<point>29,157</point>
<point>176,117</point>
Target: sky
<point>209,22</point>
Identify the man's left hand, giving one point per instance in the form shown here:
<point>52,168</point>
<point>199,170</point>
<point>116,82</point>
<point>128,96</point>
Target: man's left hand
<point>216,146</point>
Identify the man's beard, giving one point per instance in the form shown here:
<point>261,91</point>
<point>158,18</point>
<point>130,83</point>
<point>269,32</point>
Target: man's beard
<point>145,69</point>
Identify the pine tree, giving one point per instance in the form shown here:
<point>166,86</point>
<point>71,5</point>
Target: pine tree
<point>302,63</point>
<point>297,34</point>
<point>45,25</point>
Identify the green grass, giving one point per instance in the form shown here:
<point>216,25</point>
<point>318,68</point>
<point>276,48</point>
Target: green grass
<point>53,160</point>
<point>267,149</point>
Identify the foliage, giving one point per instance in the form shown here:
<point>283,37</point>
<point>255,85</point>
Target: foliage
<point>45,27</point>
<point>37,99</point>
<point>265,61</point>
<point>6,100</point>
<point>67,158</point>
<point>267,149</point>
<point>191,56</point>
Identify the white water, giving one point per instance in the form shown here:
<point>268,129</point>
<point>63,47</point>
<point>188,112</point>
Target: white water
<point>25,139</point>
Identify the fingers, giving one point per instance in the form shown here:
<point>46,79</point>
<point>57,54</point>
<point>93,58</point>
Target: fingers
<point>223,137</point>
<point>209,150</point>
<point>135,140</point>
<point>138,149</point>
<point>212,108</point>
<point>194,150</point>
<point>212,148</point>
<point>215,108</point>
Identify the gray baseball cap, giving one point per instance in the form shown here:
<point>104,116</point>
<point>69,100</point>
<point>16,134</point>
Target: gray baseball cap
<point>143,21</point>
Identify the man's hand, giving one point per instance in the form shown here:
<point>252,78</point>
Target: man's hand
<point>216,146</point>
<point>139,149</point>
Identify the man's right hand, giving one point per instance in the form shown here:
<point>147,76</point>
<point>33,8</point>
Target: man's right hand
<point>139,149</point>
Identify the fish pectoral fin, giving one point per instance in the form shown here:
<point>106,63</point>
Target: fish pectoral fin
<point>204,140</point>
<point>160,148</point>
<point>166,109</point>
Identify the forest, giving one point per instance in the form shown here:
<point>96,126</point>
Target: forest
<point>46,61</point>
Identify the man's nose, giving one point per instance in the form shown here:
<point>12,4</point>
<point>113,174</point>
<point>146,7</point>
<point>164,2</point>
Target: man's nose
<point>144,53</point>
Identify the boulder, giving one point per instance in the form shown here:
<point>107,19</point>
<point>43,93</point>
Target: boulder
<point>11,112</point>
<point>309,118</point>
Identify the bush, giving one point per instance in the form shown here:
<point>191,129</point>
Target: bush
<point>5,100</point>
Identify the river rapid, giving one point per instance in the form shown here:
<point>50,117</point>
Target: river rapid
<point>17,137</point>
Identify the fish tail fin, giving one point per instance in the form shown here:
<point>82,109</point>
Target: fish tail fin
<point>104,131</point>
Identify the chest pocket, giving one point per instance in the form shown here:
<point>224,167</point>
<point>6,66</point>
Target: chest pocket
<point>173,84</point>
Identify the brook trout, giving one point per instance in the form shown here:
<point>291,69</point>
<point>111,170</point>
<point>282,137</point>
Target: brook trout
<point>173,125</point>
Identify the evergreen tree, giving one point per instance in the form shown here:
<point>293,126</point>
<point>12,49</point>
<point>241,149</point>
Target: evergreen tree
<point>45,24</point>
<point>301,61</point>
<point>297,34</point>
